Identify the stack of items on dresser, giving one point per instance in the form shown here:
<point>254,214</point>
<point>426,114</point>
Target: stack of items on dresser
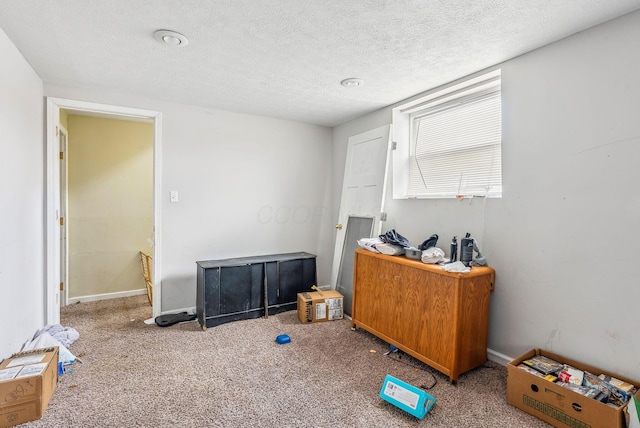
<point>603,388</point>
<point>392,243</point>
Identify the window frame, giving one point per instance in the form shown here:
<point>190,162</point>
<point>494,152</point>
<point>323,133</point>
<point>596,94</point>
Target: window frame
<point>457,93</point>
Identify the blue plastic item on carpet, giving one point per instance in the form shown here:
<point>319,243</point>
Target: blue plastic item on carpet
<point>283,338</point>
<point>407,397</point>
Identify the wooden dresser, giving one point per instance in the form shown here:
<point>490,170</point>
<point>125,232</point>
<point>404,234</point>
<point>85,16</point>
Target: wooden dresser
<point>438,317</point>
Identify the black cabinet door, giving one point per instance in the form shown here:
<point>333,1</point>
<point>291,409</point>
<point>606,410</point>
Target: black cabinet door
<point>295,276</point>
<point>237,290</point>
<point>232,293</point>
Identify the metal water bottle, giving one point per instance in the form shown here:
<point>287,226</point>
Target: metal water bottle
<point>454,249</point>
<point>466,249</point>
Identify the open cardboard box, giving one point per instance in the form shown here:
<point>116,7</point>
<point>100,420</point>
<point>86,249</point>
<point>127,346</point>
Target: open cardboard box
<point>557,405</point>
<point>27,382</point>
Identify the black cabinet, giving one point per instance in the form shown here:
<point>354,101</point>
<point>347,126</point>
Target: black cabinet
<point>250,287</point>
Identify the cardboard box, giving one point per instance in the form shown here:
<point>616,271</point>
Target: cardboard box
<point>316,306</point>
<point>27,382</point>
<point>556,404</point>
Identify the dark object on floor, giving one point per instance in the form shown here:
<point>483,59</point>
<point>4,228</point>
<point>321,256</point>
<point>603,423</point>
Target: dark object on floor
<point>431,242</point>
<point>171,319</point>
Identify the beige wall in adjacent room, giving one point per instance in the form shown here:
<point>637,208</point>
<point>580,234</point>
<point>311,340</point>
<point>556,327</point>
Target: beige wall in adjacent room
<point>110,214</point>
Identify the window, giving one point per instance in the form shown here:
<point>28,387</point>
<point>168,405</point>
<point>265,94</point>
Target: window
<point>449,143</point>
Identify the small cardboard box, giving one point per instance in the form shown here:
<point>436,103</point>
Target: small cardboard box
<point>27,382</point>
<point>557,405</point>
<point>316,306</point>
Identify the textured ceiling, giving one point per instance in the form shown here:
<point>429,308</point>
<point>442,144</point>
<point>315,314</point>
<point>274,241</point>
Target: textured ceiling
<point>286,58</point>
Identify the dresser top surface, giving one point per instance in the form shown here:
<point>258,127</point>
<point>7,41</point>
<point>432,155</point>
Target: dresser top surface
<point>475,270</point>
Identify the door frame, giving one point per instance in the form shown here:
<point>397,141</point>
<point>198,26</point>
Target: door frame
<point>64,210</point>
<point>52,225</point>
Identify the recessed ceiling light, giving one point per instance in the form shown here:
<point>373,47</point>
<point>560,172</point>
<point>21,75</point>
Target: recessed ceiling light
<point>351,82</point>
<point>170,38</point>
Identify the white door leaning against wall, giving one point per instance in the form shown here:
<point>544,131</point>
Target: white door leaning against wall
<point>361,203</point>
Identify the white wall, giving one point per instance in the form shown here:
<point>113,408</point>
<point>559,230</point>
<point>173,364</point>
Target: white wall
<point>563,239</point>
<point>22,189</point>
<point>248,185</point>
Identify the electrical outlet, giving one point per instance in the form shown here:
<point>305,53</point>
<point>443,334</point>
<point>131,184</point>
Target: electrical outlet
<point>173,196</point>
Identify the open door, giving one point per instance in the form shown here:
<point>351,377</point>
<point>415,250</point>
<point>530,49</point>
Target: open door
<point>361,204</point>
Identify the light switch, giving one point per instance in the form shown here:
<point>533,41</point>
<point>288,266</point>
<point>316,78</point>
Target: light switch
<point>173,196</point>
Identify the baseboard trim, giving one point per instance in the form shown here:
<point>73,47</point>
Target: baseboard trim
<point>497,357</point>
<point>106,296</point>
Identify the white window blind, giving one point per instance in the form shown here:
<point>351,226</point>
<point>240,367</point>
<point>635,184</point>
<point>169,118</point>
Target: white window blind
<point>455,144</point>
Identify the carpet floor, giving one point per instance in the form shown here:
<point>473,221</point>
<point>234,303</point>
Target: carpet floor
<point>235,375</point>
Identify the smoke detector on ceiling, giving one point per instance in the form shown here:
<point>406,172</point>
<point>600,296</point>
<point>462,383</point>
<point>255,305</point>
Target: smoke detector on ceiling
<point>171,38</point>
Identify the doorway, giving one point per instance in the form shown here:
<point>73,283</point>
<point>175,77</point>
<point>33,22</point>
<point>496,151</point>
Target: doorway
<point>110,205</point>
<point>54,247</point>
